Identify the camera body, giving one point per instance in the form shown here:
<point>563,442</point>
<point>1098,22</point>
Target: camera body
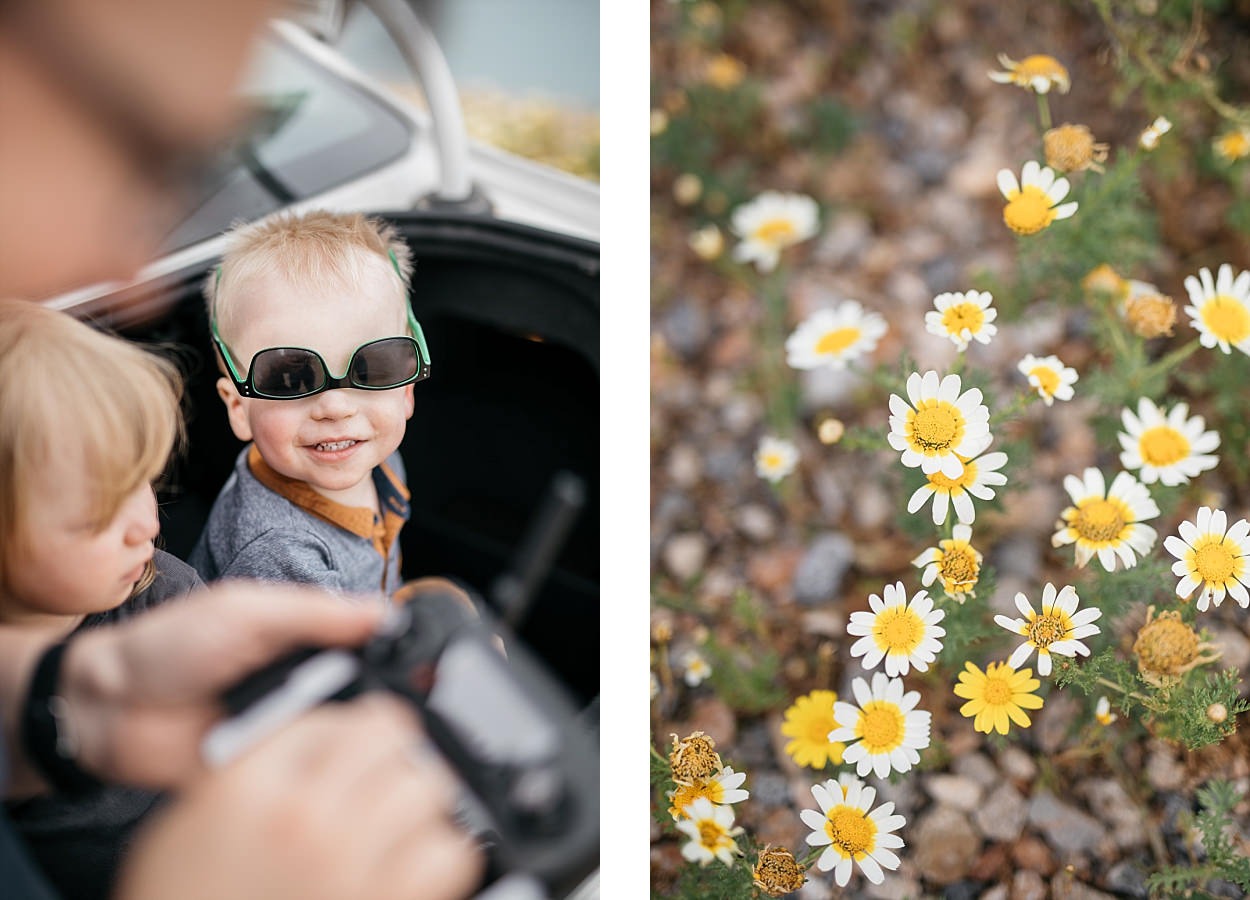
<point>505,726</point>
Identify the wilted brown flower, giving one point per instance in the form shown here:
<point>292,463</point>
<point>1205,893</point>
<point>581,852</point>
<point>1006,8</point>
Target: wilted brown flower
<point>1071,148</point>
<point>1167,648</point>
<point>1150,315</point>
<point>1104,281</point>
<point>694,757</point>
<point>777,873</point>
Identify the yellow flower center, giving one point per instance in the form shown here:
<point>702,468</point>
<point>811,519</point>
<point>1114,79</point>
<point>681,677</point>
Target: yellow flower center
<point>963,315</point>
<point>880,727</point>
<point>1226,318</point>
<point>1098,520</point>
<point>955,485</point>
<point>775,232</point>
<point>1047,379</point>
<point>834,342</point>
<point>850,830</point>
<point>1166,646</point>
<point>958,565</point>
<point>1163,445</point>
<point>712,834</point>
<point>1029,211</point>
<point>685,794</point>
<point>1047,628</point>
<point>1040,65</point>
<point>898,630</point>
<point>997,690</point>
<point>937,428</point>
<point>1233,145</point>
<point>771,461</point>
<point>1215,562</point>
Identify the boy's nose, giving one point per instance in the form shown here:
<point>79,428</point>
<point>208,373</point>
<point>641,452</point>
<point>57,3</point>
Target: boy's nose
<point>143,523</point>
<point>338,403</point>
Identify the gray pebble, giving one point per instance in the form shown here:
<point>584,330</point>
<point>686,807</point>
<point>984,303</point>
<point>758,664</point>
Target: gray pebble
<point>822,568</point>
<point>1002,816</point>
<point>1067,829</point>
<point>685,554</point>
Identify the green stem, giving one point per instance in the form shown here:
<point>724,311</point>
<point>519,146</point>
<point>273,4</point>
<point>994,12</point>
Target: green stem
<point>1177,356</point>
<point>1043,111</point>
<point>773,370</point>
<point>657,755</point>
<point>1018,405</point>
<point>1115,687</point>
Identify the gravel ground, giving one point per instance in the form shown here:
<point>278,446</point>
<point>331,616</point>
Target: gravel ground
<point>1066,808</point>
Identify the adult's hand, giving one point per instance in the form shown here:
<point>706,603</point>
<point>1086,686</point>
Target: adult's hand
<point>141,695</point>
<point>336,805</point>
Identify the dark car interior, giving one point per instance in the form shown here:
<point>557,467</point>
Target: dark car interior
<point>511,315</point>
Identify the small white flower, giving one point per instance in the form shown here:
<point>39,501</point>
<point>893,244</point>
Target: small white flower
<point>711,831</point>
<point>1220,309</point>
<point>1212,556</point>
<point>903,634</point>
<point>852,831</point>
<point>770,223</point>
<point>1107,522</point>
<point>941,427</point>
<point>1049,376</point>
<point>834,337</point>
<point>655,686</point>
<point>955,561</point>
<point>775,458</point>
<point>696,668</point>
<point>1168,446</point>
<point>963,317</point>
<point>1150,137</point>
<point>887,728</point>
<point>979,478</point>
<point>1058,628</point>
<point>1035,201</point>
<point>1103,713</point>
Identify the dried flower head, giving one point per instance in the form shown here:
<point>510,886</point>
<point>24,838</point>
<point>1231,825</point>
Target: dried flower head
<point>694,758</point>
<point>707,243</point>
<point>1150,315</point>
<point>777,872</point>
<point>1072,148</point>
<point>1217,713</point>
<point>687,188</point>
<point>1038,73</point>
<point>724,71</point>
<point>830,430</point>
<point>1166,648</point>
<point>1104,281</point>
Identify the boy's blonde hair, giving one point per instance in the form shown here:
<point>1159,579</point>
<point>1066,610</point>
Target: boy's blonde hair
<point>65,386</point>
<point>304,250</point>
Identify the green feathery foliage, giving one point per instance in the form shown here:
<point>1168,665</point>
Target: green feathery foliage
<point>1226,859</point>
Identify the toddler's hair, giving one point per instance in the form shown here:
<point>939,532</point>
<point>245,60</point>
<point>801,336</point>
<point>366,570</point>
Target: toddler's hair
<point>305,250</point>
<point>70,391</point>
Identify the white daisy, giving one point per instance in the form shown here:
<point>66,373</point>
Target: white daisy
<point>1049,376</point>
<point>941,427</point>
<point>903,634</point>
<point>1103,713</point>
<point>1058,628</point>
<point>711,831</point>
<point>723,788</point>
<point>852,831</point>
<point>1212,556</point>
<point>979,478</point>
<point>775,458</point>
<point>1221,308</point>
<point>1107,522</point>
<point>834,337</point>
<point>1038,73</point>
<point>770,223</point>
<point>887,728</point>
<point>696,668</point>
<point>963,317</point>
<point>1036,200</point>
<point>1166,446</point>
<point>955,561</point>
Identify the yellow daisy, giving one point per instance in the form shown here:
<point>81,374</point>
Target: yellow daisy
<point>1221,308</point>
<point>1233,145</point>
<point>808,721</point>
<point>1036,200</point>
<point>997,697</point>
<point>1038,73</point>
<point>1107,523</point>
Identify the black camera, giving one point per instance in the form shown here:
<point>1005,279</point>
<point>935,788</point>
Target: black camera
<point>530,764</point>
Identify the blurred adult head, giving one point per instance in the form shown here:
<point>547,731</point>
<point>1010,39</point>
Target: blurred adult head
<point>103,108</point>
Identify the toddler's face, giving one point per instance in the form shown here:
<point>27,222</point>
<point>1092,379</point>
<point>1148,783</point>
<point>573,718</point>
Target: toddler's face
<point>332,440</point>
<point>71,564</point>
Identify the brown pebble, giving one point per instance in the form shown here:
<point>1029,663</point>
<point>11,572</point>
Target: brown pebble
<point>1033,854</point>
<point>992,864</point>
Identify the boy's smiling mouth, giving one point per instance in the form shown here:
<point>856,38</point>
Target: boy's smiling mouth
<point>334,446</point>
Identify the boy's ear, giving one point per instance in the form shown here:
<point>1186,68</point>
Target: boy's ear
<point>408,401</point>
<point>234,409</point>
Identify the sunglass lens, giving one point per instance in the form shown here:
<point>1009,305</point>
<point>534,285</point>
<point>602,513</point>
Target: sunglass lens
<point>287,372</point>
<point>385,363</point>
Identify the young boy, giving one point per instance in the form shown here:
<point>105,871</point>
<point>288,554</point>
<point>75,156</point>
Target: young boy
<point>319,351</point>
<point>87,423</point>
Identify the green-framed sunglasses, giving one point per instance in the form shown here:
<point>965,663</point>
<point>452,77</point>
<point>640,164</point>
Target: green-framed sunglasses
<point>290,373</point>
